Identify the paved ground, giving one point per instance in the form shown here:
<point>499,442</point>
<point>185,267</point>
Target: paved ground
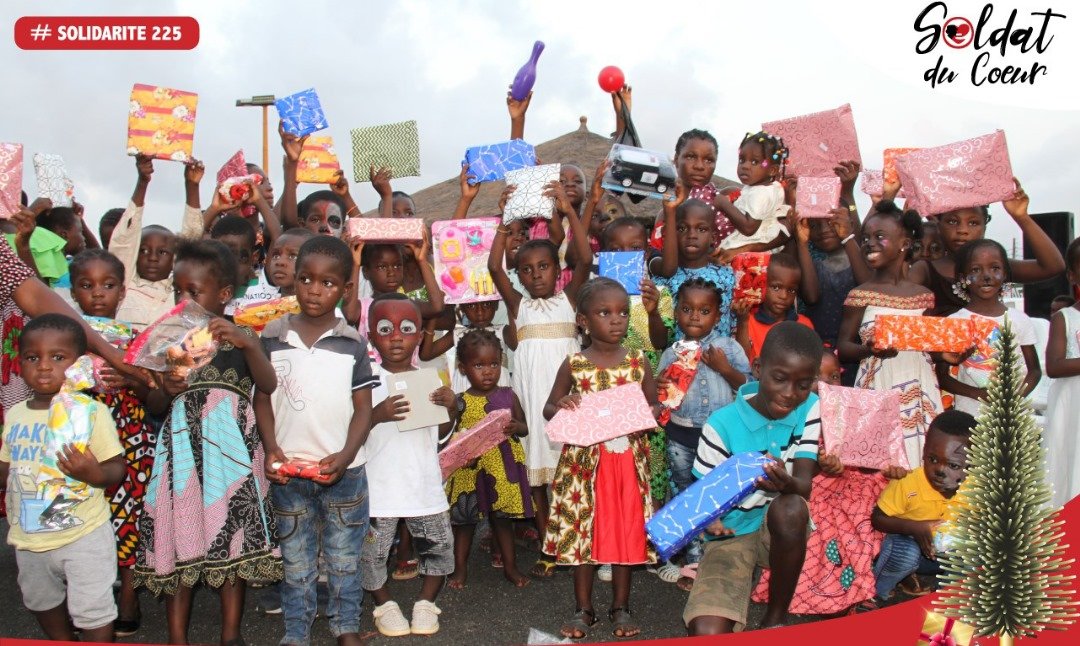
<point>488,611</point>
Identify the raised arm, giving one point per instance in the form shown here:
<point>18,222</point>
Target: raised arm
<point>582,253</point>
<point>340,187</point>
<point>809,286</point>
<point>292,145</point>
<point>433,307</point>
<point>669,258</point>
<point>517,111</point>
<point>380,181</point>
<point>624,97</point>
<point>510,296</point>
<point>468,193</point>
<point>192,225</point>
<point>848,172</point>
<point>843,223</point>
<point>432,348</point>
<point>124,243</point>
<point>89,238</point>
<point>1048,262</point>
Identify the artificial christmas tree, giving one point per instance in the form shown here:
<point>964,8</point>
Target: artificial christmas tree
<point>1005,574</point>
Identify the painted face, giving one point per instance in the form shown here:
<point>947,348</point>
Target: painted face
<point>320,285</point>
<point>883,241</point>
<point>240,246</point>
<point>960,227</point>
<point>945,461</point>
<point>696,162</point>
<point>786,381</point>
<point>197,282</point>
<point>394,329</point>
<point>830,369</point>
<point>607,316</point>
<point>44,355</point>
<point>754,168</point>
<point>697,312</point>
<point>324,218</point>
<point>155,261</point>
<point>480,314</point>
<point>281,263</point>
<point>695,234</point>
<point>626,238</point>
<point>823,235</point>
<point>538,270</point>
<point>573,183</point>
<point>986,272</point>
<point>403,207</point>
<point>482,367</point>
<point>98,289</point>
<point>384,269</point>
<point>781,287</point>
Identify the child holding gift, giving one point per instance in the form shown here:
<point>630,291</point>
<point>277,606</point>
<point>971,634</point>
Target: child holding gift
<point>404,477</point>
<point>328,424</point>
<point>911,509</point>
<point>209,457</point>
<point>601,496</point>
<point>777,415</point>
<point>888,233</point>
<point>66,575</point>
<point>496,487</point>
<point>782,278</point>
<point>722,368</point>
<point>759,211</point>
<point>984,265</point>
<point>1063,364</point>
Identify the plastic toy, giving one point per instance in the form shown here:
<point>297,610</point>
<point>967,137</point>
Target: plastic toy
<point>461,253</point>
<point>641,172</point>
<point>611,79</point>
<point>526,76</point>
<point>306,469</point>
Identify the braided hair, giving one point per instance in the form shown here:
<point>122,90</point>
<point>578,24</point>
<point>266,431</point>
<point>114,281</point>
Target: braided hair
<point>773,147</point>
<point>689,135</point>
<point>475,339</point>
<point>697,282</point>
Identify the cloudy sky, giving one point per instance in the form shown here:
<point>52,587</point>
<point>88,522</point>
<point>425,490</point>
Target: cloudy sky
<point>725,67</point>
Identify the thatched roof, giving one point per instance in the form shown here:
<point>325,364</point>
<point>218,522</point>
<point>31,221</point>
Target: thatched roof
<point>580,147</point>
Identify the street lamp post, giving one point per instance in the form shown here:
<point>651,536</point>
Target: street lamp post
<point>264,101</point>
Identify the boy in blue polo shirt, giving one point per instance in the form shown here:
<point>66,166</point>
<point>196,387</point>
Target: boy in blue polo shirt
<point>778,415</point>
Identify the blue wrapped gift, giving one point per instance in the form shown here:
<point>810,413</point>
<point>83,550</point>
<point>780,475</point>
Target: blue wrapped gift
<point>491,163</point>
<point>301,114</point>
<point>690,512</point>
<point>626,267</point>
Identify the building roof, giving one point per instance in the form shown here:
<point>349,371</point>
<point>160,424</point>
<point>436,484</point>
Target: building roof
<point>580,147</point>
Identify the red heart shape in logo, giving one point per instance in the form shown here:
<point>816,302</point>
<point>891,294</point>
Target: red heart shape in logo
<point>961,31</point>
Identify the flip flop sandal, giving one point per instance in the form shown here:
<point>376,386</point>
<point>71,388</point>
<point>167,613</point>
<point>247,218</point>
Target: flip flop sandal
<point>543,569</point>
<point>668,572</point>
<point>622,621</point>
<point>406,570</point>
<point>582,622</point>
<point>496,561</point>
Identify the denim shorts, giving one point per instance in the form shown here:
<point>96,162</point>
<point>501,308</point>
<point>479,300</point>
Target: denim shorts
<point>433,541</point>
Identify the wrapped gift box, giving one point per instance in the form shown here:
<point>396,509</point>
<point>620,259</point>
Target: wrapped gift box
<point>603,416</point>
<point>395,146</point>
<point>690,512</point>
<point>301,113</point>
<point>924,333</point>
<point>862,427</point>
<point>52,179</point>
<point>873,182</point>
<point>257,315</point>
<point>625,267</point>
<point>492,162</point>
<point>161,122</point>
<point>235,167</point>
<point>817,142</point>
<point>888,172</point>
<point>474,442</point>
<point>461,254</point>
<point>528,199</point>
<point>816,197</point>
<point>318,161</point>
<point>387,229</point>
<point>680,375</point>
<point>11,175</point>
<point>961,175</point>
<point>750,278</point>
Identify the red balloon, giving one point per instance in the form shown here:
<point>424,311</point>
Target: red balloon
<point>611,79</point>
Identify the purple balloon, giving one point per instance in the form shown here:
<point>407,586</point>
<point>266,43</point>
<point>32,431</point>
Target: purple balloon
<point>526,76</point>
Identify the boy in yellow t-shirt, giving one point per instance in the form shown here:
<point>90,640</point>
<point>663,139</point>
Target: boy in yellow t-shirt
<point>75,563</point>
<point>910,508</point>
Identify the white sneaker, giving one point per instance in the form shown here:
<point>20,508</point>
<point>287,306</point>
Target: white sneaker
<point>389,620</point>
<point>604,573</point>
<point>425,618</point>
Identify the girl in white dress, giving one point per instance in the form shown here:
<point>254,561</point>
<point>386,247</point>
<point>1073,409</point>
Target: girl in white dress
<point>546,333</point>
<point>759,211</point>
<point>888,233</point>
<point>1063,410</point>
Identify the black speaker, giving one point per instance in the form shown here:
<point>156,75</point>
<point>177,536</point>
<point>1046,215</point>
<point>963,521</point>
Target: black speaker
<point>1037,296</point>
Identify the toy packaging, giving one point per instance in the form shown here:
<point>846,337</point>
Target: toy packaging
<point>395,146</point>
<point>690,512</point>
<point>961,175</point>
<point>301,113</point>
<point>306,469</point>
<point>461,250</point>
<point>52,179</point>
<point>318,161</point>
<point>816,197</point>
<point>178,341</point>
<point>862,427</point>
<point>397,230</point>
<point>492,162</point>
<point>11,173</point>
<point>625,267</point>
<point>468,445</point>
<point>603,416</point>
<point>640,172</point>
<point>257,315</point>
<point>235,167</point>
<point>817,142</point>
<point>161,122</point>
<point>528,199</point>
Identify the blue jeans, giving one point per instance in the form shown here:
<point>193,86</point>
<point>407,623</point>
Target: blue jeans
<point>681,461</point>
<point>302,508</point>
<point>900,557</point>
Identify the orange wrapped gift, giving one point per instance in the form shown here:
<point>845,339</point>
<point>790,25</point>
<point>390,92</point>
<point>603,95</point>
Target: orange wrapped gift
<point>318,161</point>
<point>923,333</point>
<point>161,122</point>
<point>889,173</point>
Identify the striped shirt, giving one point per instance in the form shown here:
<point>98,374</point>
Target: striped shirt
<point>737,427</point>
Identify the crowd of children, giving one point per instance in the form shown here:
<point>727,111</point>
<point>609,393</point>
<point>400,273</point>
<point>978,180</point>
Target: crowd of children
<point>186,466</point>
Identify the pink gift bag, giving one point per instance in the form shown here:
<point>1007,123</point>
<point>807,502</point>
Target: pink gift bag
<point>474,442</point>
<point>11,172</point>
<point>815,197</point>
<point>387,229</point>
<point>960,175</point>
<point>862,427</point>
<point>818,141</point>
<point>603,416</point>
<point>873,182</point>
<point>235,167</point>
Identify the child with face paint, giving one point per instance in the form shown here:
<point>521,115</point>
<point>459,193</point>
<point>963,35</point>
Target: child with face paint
<point>888,234</point>
<point>405,481</point>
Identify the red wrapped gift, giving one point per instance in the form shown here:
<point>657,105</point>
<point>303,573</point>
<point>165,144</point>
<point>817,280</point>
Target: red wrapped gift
<point>923,333</point>
<point>297,468</point>
<point>235,167</point>
<point>749,270</point>
<point>474,442</point>
<point>387,229</point>
<point>815,197</point>
<point>961,175</point>
<point>603,416</point>
<point>817,142</point>
<point>862,427</point>
<point>680,375</point>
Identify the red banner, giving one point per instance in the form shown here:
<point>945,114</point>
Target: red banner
<point>106,32</point>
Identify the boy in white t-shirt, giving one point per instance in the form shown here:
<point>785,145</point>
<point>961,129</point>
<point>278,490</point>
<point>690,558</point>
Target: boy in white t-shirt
<point>406,481</point>
<point>321,412</point>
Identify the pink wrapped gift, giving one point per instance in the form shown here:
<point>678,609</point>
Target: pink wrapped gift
<point>815,197</point>
<point>603,416</point>
<point>235,167</point>
<point>924,333</point>
<point>387,229</point>
<point>474,442</point>
<point>961,175</point>
<point>862,427</point>
<point>11,171</point>
<point>888,171</point>
<point>873,182</point>
<point>818,141</point>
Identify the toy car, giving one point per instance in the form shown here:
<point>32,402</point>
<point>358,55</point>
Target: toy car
<point>639,171</point>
